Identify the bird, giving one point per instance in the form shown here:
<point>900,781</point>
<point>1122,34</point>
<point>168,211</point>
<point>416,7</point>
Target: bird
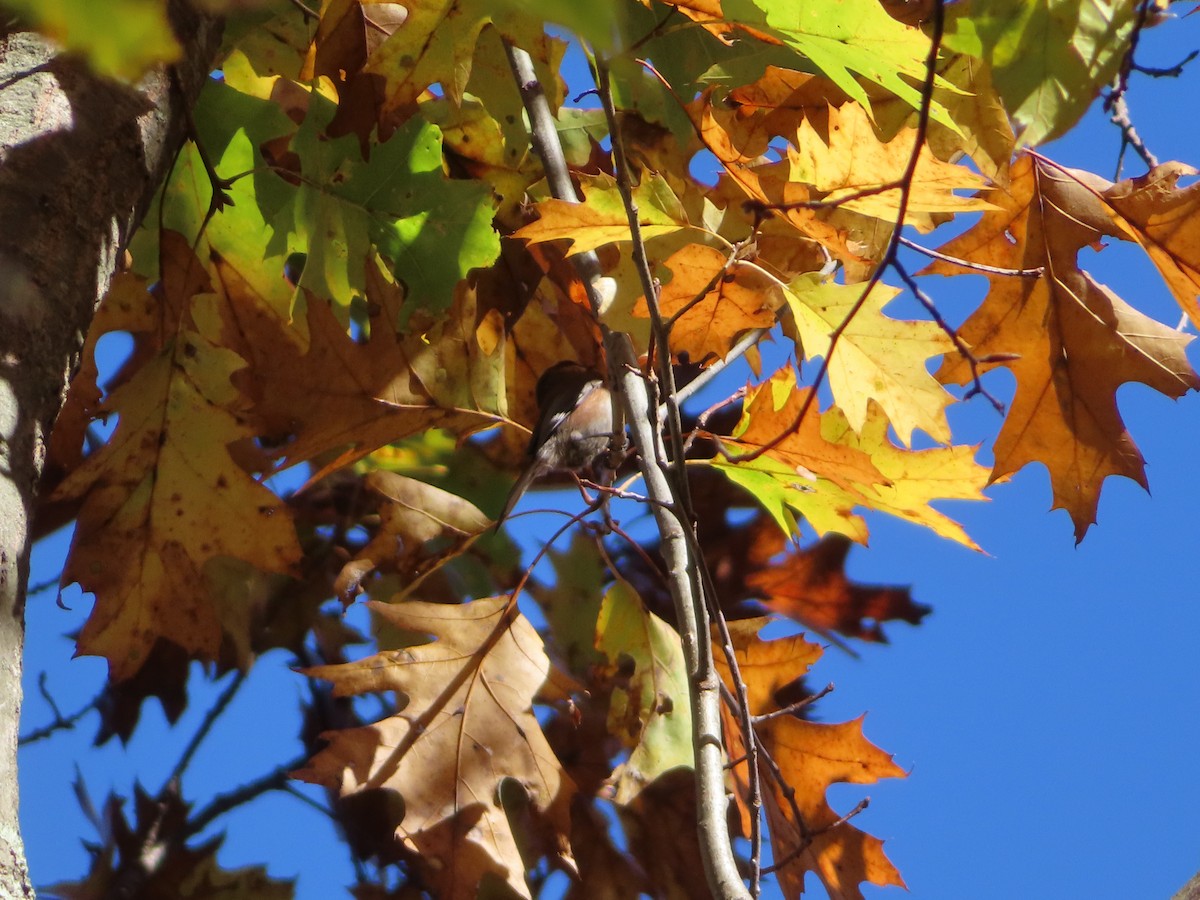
<point>574,427</point>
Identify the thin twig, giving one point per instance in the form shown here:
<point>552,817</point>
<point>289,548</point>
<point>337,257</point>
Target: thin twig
<point>1174,71</point>
<point>967,264</point>
<point>793,708</point>
<point>60,722</point>
<point>309,12</point>
<point>210,719</point>
<point>274,780</point>
<point>34,589</point>
<point>842,820</point>
<point>960,345</point>
<point>1119,115</point>
<point>749,735</point>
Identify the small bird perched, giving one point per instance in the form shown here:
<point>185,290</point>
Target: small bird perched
<point>574,427</point>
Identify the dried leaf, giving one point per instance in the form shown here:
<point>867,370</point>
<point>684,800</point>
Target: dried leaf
<point>467,725</point>
<point>1070,341</point>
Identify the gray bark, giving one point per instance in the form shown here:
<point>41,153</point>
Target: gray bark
<point>80,158</point>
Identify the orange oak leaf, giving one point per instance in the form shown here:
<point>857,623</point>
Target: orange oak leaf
<point>773,411</point>
<point>1165,220</point>
<point>742,125</point>
<point>811,586</point>
<point>807,835</point>
<point>796,467</point>
<point>711,301</point>
<point>1074,340</point>
<point>466,725</point>
<point>769,185</point>
<point>812,756</point>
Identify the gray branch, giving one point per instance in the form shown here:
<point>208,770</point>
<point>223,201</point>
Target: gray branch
<point>678,554</point>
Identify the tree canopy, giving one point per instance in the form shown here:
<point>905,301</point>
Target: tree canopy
<point>390,219</point>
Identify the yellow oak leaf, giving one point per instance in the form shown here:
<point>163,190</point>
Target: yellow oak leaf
<point>1069,340</point>
<point>854,159</point>
<point>876,358</point>
<point>600,219</point>
<point>825,470</point>
<point>466,726</point>
<point>911,478</point>
<point>435,44</point>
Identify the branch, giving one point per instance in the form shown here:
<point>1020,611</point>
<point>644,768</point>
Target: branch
<point>210,718</point>
<point>667,482</point>
<point>60,722</point>
<point>276,779</point>
<point>641,414</point>
<point>967,264</point>
<point>960,345</point>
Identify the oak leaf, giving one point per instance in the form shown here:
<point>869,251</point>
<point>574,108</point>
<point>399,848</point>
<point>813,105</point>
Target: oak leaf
<point>165,497</point>
<point>421,529</point>
<point>1165,220</point>
<point>810,586</point>
<point>853,159</point>
<point>465,726</point>
<point>819,466</point>
<point>794,467</point>
<point>1048,60</point>
<point>807,835</point>
<point>912,479</point>
<point>147,855</point>
<point>339,394</point>
<point>854,39</point>
<point>600,219</point>
<point>876,358</point>
<point>710,301</point>
<point>436,44</point>
<point>649,705</point>
<point>1074,341</point>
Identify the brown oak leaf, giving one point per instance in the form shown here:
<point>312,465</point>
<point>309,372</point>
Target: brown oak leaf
<point>467,724</point>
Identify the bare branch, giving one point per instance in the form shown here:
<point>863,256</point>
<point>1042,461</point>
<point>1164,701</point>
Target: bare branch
<point>60,722</point>
<point>967,264</point>
<point>793,708</point>
<point>275,780</point>
<point>210,719</point>
<point>960,345</point>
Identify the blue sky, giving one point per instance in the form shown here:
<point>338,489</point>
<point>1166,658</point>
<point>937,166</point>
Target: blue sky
<point>1046,710</point>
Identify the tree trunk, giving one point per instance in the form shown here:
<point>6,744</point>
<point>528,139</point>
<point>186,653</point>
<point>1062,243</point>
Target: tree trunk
<point>80,158</point>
